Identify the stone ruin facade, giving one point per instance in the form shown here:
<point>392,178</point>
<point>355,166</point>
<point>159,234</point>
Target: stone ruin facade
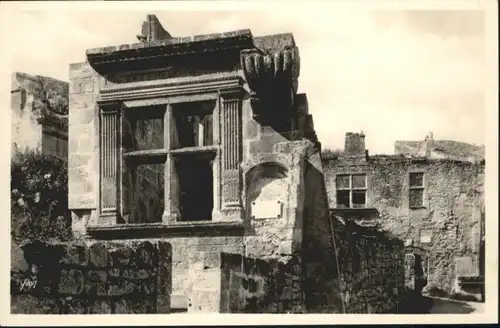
<point>434,204</point>
<point>203,142</point>
<point>39,114</point>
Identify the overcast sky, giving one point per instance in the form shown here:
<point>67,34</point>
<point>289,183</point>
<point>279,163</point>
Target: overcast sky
<point>396,75</point>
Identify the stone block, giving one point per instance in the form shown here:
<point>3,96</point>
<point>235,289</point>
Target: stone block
<point>119,255</point>
<point>69,305</point>
<point>121,287</point>
<point>71,282</point>
<point>76,160</point>
<point>79,201</point>
<point>81,105</point>
<point>145,255</point>
<point>80,71</point>
<point>29,304</point>
<point>135,305</point>
<point>100,307</point>
<point>138,274</point>
<point>147,287</point>
<point>95,282</point>
<point>98,255</point>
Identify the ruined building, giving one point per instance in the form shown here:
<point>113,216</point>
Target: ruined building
<point>203,142</point>
<point>39,113</point>
<point>435,204</point>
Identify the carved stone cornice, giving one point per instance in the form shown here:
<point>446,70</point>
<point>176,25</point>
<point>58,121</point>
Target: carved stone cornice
<point>273,80</point>
<point>171,87</point>
<point>156,54</point>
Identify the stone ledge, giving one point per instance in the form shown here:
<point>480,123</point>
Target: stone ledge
<point>150,230</point>
<point>215,38</point>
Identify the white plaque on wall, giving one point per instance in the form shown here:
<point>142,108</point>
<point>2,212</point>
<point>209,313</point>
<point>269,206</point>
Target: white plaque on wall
<point>266,209</point>
<point>426,236</point>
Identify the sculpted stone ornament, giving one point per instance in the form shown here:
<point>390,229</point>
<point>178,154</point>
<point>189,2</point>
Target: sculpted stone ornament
<point>273,80</point>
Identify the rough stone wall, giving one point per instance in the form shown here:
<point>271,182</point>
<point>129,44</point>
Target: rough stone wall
<point>347,268</point>
<point>321,286</point>
<point>446,228</point>
<point>250,285</point>
<point>371,265</point>
<point>96,278</point>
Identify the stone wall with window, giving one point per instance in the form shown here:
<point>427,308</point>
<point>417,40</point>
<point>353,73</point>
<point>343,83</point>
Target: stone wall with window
<point>205,150</point>
<point>436,205</point>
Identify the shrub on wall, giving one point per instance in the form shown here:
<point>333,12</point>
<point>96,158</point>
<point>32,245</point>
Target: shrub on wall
<point>39,197</point>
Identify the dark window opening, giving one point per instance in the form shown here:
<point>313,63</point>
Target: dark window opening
<point>351,190</point>
<point>147,193</point>
<point>416,198</point>
<point>194,124</point>
<point>416,194</point>
<point>144,129</point>
<point>195,188</point>
<point>343,199</point>
<point>416,179</point>
<point>358,199</point>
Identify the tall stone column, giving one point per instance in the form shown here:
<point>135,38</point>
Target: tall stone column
<point>231,152</point>
<point>110,147</point>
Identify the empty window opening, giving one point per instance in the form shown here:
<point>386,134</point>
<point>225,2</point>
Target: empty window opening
<point>144,128</point>
<point>194,124</point>
<point>147,193</point>
<point>195,188</point>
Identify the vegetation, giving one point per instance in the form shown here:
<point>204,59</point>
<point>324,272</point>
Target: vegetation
<point>39,197</point>
<point>331,153</point>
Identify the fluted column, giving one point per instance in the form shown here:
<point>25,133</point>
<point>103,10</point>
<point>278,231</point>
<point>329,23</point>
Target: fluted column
<point>231,151</point>
<point>109,162</point>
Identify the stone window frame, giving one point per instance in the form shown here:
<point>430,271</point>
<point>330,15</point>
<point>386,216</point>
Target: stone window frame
<point>422,187</point>
<point>228,96</point>
<point>367,189</point>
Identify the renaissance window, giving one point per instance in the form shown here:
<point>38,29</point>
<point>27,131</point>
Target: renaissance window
<point>144,151</point>
<point>416,190</point>
<point>351,190</point>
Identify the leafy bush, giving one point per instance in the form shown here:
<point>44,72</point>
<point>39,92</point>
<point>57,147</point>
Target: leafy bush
<point>331,153</point>
<point>39,197</point>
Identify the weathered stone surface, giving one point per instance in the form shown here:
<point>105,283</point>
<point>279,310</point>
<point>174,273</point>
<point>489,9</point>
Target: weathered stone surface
<point>73,278</point>
<point>452,202</point>
<point>98,255</point>
<point>29,304</point>
<point>71,282</point>
<point>75,254</point>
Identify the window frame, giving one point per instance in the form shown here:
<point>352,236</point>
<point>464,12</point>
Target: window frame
<point>352,189</point>
<point>227,90</point>
<point>170,152</point>
<point>421,187</point>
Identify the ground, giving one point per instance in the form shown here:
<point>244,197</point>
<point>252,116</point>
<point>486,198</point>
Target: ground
<point>436,305</point>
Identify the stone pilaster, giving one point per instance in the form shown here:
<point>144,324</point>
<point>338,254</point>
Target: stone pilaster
<point>109,162</point>
<point>231,152</point>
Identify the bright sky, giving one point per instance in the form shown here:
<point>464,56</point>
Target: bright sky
<point>396,75</point>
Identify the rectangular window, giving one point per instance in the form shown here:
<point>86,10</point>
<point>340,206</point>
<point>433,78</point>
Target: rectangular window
<point>351,190</point>
<point>194,154</point>
<point>416,192</point>
<point>144,160</point>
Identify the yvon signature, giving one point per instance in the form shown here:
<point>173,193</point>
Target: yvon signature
<point>27,284</point>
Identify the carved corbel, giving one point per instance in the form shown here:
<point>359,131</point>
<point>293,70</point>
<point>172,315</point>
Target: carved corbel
<point>272,79</point>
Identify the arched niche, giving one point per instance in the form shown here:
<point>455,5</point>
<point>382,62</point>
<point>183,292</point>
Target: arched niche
<point>266,182</point>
